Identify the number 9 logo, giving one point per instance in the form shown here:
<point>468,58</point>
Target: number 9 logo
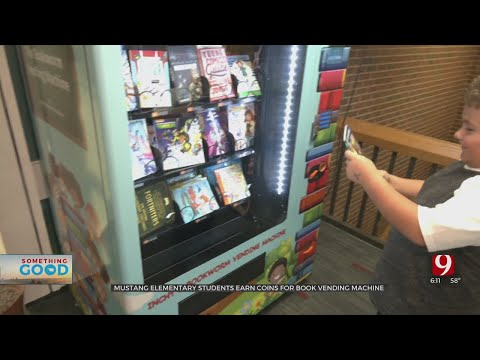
<point>443,267</point>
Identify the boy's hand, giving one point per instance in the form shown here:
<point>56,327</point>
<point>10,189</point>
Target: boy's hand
<point>359,168</point>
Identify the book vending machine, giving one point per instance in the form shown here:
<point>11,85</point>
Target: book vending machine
<point>181,165</point>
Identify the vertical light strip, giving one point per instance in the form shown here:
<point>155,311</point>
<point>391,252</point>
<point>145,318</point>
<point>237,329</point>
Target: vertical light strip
<point>287,117</point>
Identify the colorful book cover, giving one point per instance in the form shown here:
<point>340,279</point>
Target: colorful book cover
<point>183,178</point>
<point>232,184</point>
<point>152,136</point>
<point>318,151</point>
<point>317,173</point>
<point>330,100</point>
<point>187,85</point>
<point>131,101</point>
<point>319,164</point>
<point>209,173</point>
<point>247,83</point>
<point>164,134</point>
<point>303,255</point>
<point>325,135</point>
<point>180,142</point>
<point>241,124</point>
<point>313,215</point>
<point>250,123</point>
<point>215,133</point>
<point>194,199</point>
<point>152,139</point>
<point>143,162</point>
<point>151,76</point>
<point>324,119</point>
<point>321,121</point>
<point>214,67</point>
<point>155,208</point>
<point>334,58</point>
<point>318,182</point>
<point>306,241</point>
<point>311,200</point>
<point>331,80</point>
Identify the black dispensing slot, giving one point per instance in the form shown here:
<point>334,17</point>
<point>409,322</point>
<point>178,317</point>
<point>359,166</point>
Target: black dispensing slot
<point>199,302</point>
<point>175,261</point>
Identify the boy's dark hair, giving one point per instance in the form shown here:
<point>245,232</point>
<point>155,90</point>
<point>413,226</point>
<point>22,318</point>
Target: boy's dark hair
<point>472,94</point>
<point>278,262</point>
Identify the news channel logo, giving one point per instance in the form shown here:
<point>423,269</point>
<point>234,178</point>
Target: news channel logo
<point>443,266</point>
<point>35,269</point>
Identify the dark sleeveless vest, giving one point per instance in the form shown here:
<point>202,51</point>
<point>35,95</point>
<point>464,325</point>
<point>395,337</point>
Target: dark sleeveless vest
<point>406,269</point>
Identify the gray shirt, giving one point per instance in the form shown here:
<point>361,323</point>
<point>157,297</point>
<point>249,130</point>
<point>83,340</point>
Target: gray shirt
<point>406,269</point>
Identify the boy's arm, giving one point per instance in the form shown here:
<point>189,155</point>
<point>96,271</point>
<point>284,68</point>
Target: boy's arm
<point>398,210</point>
<point>395,207</point>
<point>407,187</point>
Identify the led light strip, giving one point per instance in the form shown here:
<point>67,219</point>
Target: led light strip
<point>286,119</point>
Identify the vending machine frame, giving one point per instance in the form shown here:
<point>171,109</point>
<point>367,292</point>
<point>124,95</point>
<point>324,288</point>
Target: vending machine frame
<point>90,176</point>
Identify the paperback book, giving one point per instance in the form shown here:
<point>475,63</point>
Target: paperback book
<point>179,141</point>
<point>143,162</point>
<point>187,84</point>
<point>247,83</point>
<point>150,75</point>
<point>331,80</point>
<point>232,184</point>
<point>241,124</point>
<point>214,67</point>
<point>131,102</point>
<point>215,133</point>
<point>334,58</point>
<point>155,208</point>
<point>194,198</point>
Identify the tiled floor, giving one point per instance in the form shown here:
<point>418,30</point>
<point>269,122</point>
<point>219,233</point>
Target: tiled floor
<point>341,259</point>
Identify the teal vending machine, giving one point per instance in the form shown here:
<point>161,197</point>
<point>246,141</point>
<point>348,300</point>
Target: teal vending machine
<point>191,164</point>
